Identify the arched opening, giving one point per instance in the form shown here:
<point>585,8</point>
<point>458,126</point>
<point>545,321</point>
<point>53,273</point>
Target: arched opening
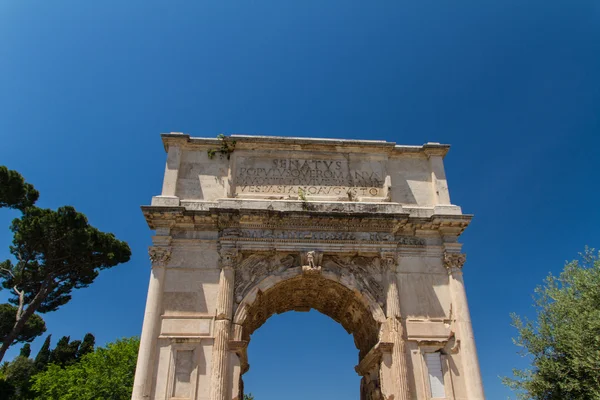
<point>299,356</point>
<point>299,289</point>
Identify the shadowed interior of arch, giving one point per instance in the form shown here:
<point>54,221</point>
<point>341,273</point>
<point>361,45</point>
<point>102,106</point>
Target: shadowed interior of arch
<point>305,292</point>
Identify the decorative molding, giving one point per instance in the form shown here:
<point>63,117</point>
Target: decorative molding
<point>454,261</point>
<point>220,219</point>
<point>389,260</point>
<point>410,241</point>
<point>228,257</point>
<point>296,235</point>
<point>159,256</point>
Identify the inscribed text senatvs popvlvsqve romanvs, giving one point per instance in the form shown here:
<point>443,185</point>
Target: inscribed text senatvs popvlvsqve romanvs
<point>286,177</point>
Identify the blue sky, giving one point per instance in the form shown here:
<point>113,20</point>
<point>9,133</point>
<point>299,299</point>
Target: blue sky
<point>512,85</point>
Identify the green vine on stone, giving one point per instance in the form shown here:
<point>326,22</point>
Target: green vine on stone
<point>301,194</point>
<point>227,147</point>
<point>306,206</point>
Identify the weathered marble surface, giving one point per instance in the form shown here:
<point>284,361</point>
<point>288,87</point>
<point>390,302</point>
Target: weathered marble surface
<point>362,231</point>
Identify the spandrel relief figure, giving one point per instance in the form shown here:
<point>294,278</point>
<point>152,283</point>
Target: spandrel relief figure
<point>255,267</point>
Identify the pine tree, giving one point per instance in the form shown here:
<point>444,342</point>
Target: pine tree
<point>54,253</point>
<point>87,346</point>
<point>43,356</point>
<point>25,350</point>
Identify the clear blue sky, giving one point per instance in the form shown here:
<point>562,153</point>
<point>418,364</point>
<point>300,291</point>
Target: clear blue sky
<point>514,86</point>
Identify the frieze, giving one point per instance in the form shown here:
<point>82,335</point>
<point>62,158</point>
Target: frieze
<point>277,234</point>
<point>410,241</point>
<point>296,235</point>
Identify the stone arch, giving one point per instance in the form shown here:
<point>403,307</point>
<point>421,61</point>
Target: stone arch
<point>340,297</point>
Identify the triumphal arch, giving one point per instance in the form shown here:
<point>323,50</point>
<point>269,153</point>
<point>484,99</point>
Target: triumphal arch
<point>361,230</point>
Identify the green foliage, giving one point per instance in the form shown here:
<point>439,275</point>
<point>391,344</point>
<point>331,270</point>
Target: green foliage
<point>564,341</point>
<point>301,194</point>
<point>65,353</point>
<point>56,252</point>
<point>25,350</point>
<point>17,375</point>
<point>248,396</point>
<point>7,390</point>
<point>87,346</point>
<point>14,191</point>
<point>43,356</point>
<point>34,327</point>
<point>107,373</point>
<point>227,147</point>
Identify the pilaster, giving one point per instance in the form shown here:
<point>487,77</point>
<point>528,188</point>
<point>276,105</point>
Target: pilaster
<point>160,257</point>
<point>399,387</point>
<point>220,355</point>
<point>463,330</point>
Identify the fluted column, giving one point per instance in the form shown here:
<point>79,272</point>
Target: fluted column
<point>399,368</point>
<point>220,353</point>
<point>146,362</point>
<point>463,329</point>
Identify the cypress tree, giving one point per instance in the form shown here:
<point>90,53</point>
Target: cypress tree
<point>60,354</point>
<point>43,356</point>
<point>25,350</point>
<point>71,357</point>
<point>87,346</point>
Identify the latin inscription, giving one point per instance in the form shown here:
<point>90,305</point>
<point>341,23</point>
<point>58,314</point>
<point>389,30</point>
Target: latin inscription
<point>288,177</point>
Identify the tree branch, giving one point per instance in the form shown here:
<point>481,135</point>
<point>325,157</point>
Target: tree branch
<point>9,271</point>
<point>21,295</point>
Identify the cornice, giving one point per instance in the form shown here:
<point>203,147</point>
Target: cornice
<point>252,142</point>
<point>224,220</point>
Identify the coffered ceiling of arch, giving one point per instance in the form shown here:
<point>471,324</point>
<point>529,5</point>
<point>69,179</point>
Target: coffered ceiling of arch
<point>305,292</point>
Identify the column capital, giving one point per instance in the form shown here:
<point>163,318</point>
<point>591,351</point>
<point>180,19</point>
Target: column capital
<point>389,260</point>
<point>228,257</point>
<point>159,255</point>
<point>454,261</point>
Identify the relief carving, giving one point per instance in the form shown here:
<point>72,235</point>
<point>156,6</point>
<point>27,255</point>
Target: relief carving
<point>388,260</point>
<point>295,235</point>
<point>159,255</point>
<point>255,267</point>
<point>228,257</point>
<point>367,270</point>
<point>280,234</point>
<point>454,261</point>
<point>311,262</point>
<point>410,241</point>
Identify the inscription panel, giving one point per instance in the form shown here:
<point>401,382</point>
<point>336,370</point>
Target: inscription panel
<point>333,178</point>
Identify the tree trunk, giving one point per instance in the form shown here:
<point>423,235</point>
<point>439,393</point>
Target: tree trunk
<point>20,323</point>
